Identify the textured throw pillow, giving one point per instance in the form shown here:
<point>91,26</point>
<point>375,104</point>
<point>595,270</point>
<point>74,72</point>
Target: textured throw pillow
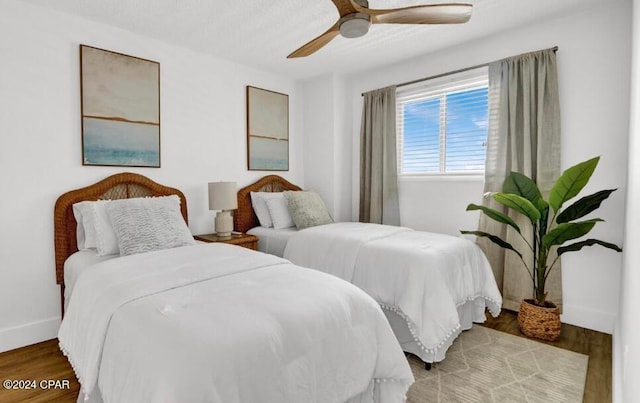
<point>279,211</point>
<point>148,224</point>
<point>307,209</point>
<point>259,204</point>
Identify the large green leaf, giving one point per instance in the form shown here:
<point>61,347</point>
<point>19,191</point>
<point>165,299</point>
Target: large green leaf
<point>521,185</point>
<point>519,204</point>
<point>566,231</point>
<point>495,215</point>
<point>571,182</point>
<point>584,206</point>
<point>497,240</point>
<point>574,247</point>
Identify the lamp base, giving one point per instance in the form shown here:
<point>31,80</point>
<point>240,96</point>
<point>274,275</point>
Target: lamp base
<point>224,223</point>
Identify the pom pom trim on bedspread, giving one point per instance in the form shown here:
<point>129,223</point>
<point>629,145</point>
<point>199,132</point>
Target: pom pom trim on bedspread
<point>445,343</point>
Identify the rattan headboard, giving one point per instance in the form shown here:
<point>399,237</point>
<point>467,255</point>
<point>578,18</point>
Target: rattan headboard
<point>244,217</point>
<point>119,186</point>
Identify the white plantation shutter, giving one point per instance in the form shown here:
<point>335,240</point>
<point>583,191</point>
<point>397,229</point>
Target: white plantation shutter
<point>442,124</point>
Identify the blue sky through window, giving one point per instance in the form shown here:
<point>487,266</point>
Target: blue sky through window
<point>464,114</point>
<point>421,144</point>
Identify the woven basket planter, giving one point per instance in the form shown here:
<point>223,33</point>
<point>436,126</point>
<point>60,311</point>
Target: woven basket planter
<point>539,322</point>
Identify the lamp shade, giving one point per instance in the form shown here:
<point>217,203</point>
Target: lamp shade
<point>223,196</point>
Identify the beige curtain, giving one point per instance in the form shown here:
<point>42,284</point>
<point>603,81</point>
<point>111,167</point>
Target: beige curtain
<point>378,172</point>
<point>524,136</point>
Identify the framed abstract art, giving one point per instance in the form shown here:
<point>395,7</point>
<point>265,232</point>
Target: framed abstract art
<point>267,130</point>
<point>120,107</point>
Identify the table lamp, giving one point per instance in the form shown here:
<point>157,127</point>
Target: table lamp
<point>223,197</point>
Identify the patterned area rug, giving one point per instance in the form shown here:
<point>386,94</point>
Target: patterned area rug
<point>485,365</point>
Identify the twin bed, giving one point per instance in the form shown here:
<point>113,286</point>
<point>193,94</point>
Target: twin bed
<point>211,322</point>
<point>431,286</point>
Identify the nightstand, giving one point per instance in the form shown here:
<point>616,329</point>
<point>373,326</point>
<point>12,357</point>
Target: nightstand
<point>245,240</point>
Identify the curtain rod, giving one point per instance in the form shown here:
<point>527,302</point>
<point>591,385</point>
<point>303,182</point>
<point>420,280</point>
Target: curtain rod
<point>555,49</point>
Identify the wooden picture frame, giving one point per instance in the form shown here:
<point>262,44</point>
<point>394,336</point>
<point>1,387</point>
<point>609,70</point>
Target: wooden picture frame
<point>267,130</point>
<point>120,109</point>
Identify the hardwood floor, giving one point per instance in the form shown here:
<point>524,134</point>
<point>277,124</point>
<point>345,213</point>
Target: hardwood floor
<point>44,361</point>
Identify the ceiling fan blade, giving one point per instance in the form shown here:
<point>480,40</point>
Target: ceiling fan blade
<point>344,7</point>
<point>451,13</point>
<point>316,44</point>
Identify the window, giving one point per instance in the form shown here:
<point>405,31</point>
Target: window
<point>442,124</point>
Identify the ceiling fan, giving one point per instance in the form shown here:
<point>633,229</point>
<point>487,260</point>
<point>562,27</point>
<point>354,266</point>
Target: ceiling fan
<point>356,17</point>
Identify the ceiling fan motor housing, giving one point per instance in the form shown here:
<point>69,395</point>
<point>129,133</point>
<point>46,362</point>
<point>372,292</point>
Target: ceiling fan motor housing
<point>354,25</point>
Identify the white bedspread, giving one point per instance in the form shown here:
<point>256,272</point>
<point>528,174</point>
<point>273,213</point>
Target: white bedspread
<point>75,265</point>
<point>218,323</point>
<point>271,240</point>
<point>422,276</point>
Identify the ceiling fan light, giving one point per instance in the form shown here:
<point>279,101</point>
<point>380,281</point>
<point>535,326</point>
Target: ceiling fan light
<point>355,27</point>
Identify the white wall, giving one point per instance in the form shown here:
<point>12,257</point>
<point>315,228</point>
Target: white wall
<point>343,148</point>
<point>327,143</point>
<point>593,64</point>
<point>203,138</point>
<point>439,204</point>
<point>626,345</point>
<point>319,140</point>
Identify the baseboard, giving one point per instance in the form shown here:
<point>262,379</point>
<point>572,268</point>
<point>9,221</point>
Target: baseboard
<point>616,390</point>
<point>30,333</point>
<point>594,320</point>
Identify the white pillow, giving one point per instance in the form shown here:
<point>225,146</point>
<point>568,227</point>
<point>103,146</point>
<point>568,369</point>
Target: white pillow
<point>148,224</point>
<point>260,208</point>
<point>106,240</point>
<point>279,211</point>
<point>85,230</point>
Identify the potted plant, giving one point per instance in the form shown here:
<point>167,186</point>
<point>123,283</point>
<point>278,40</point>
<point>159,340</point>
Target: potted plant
<point>552,227</point>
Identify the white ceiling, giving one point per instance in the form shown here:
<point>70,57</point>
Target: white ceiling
<point>261,33</point>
